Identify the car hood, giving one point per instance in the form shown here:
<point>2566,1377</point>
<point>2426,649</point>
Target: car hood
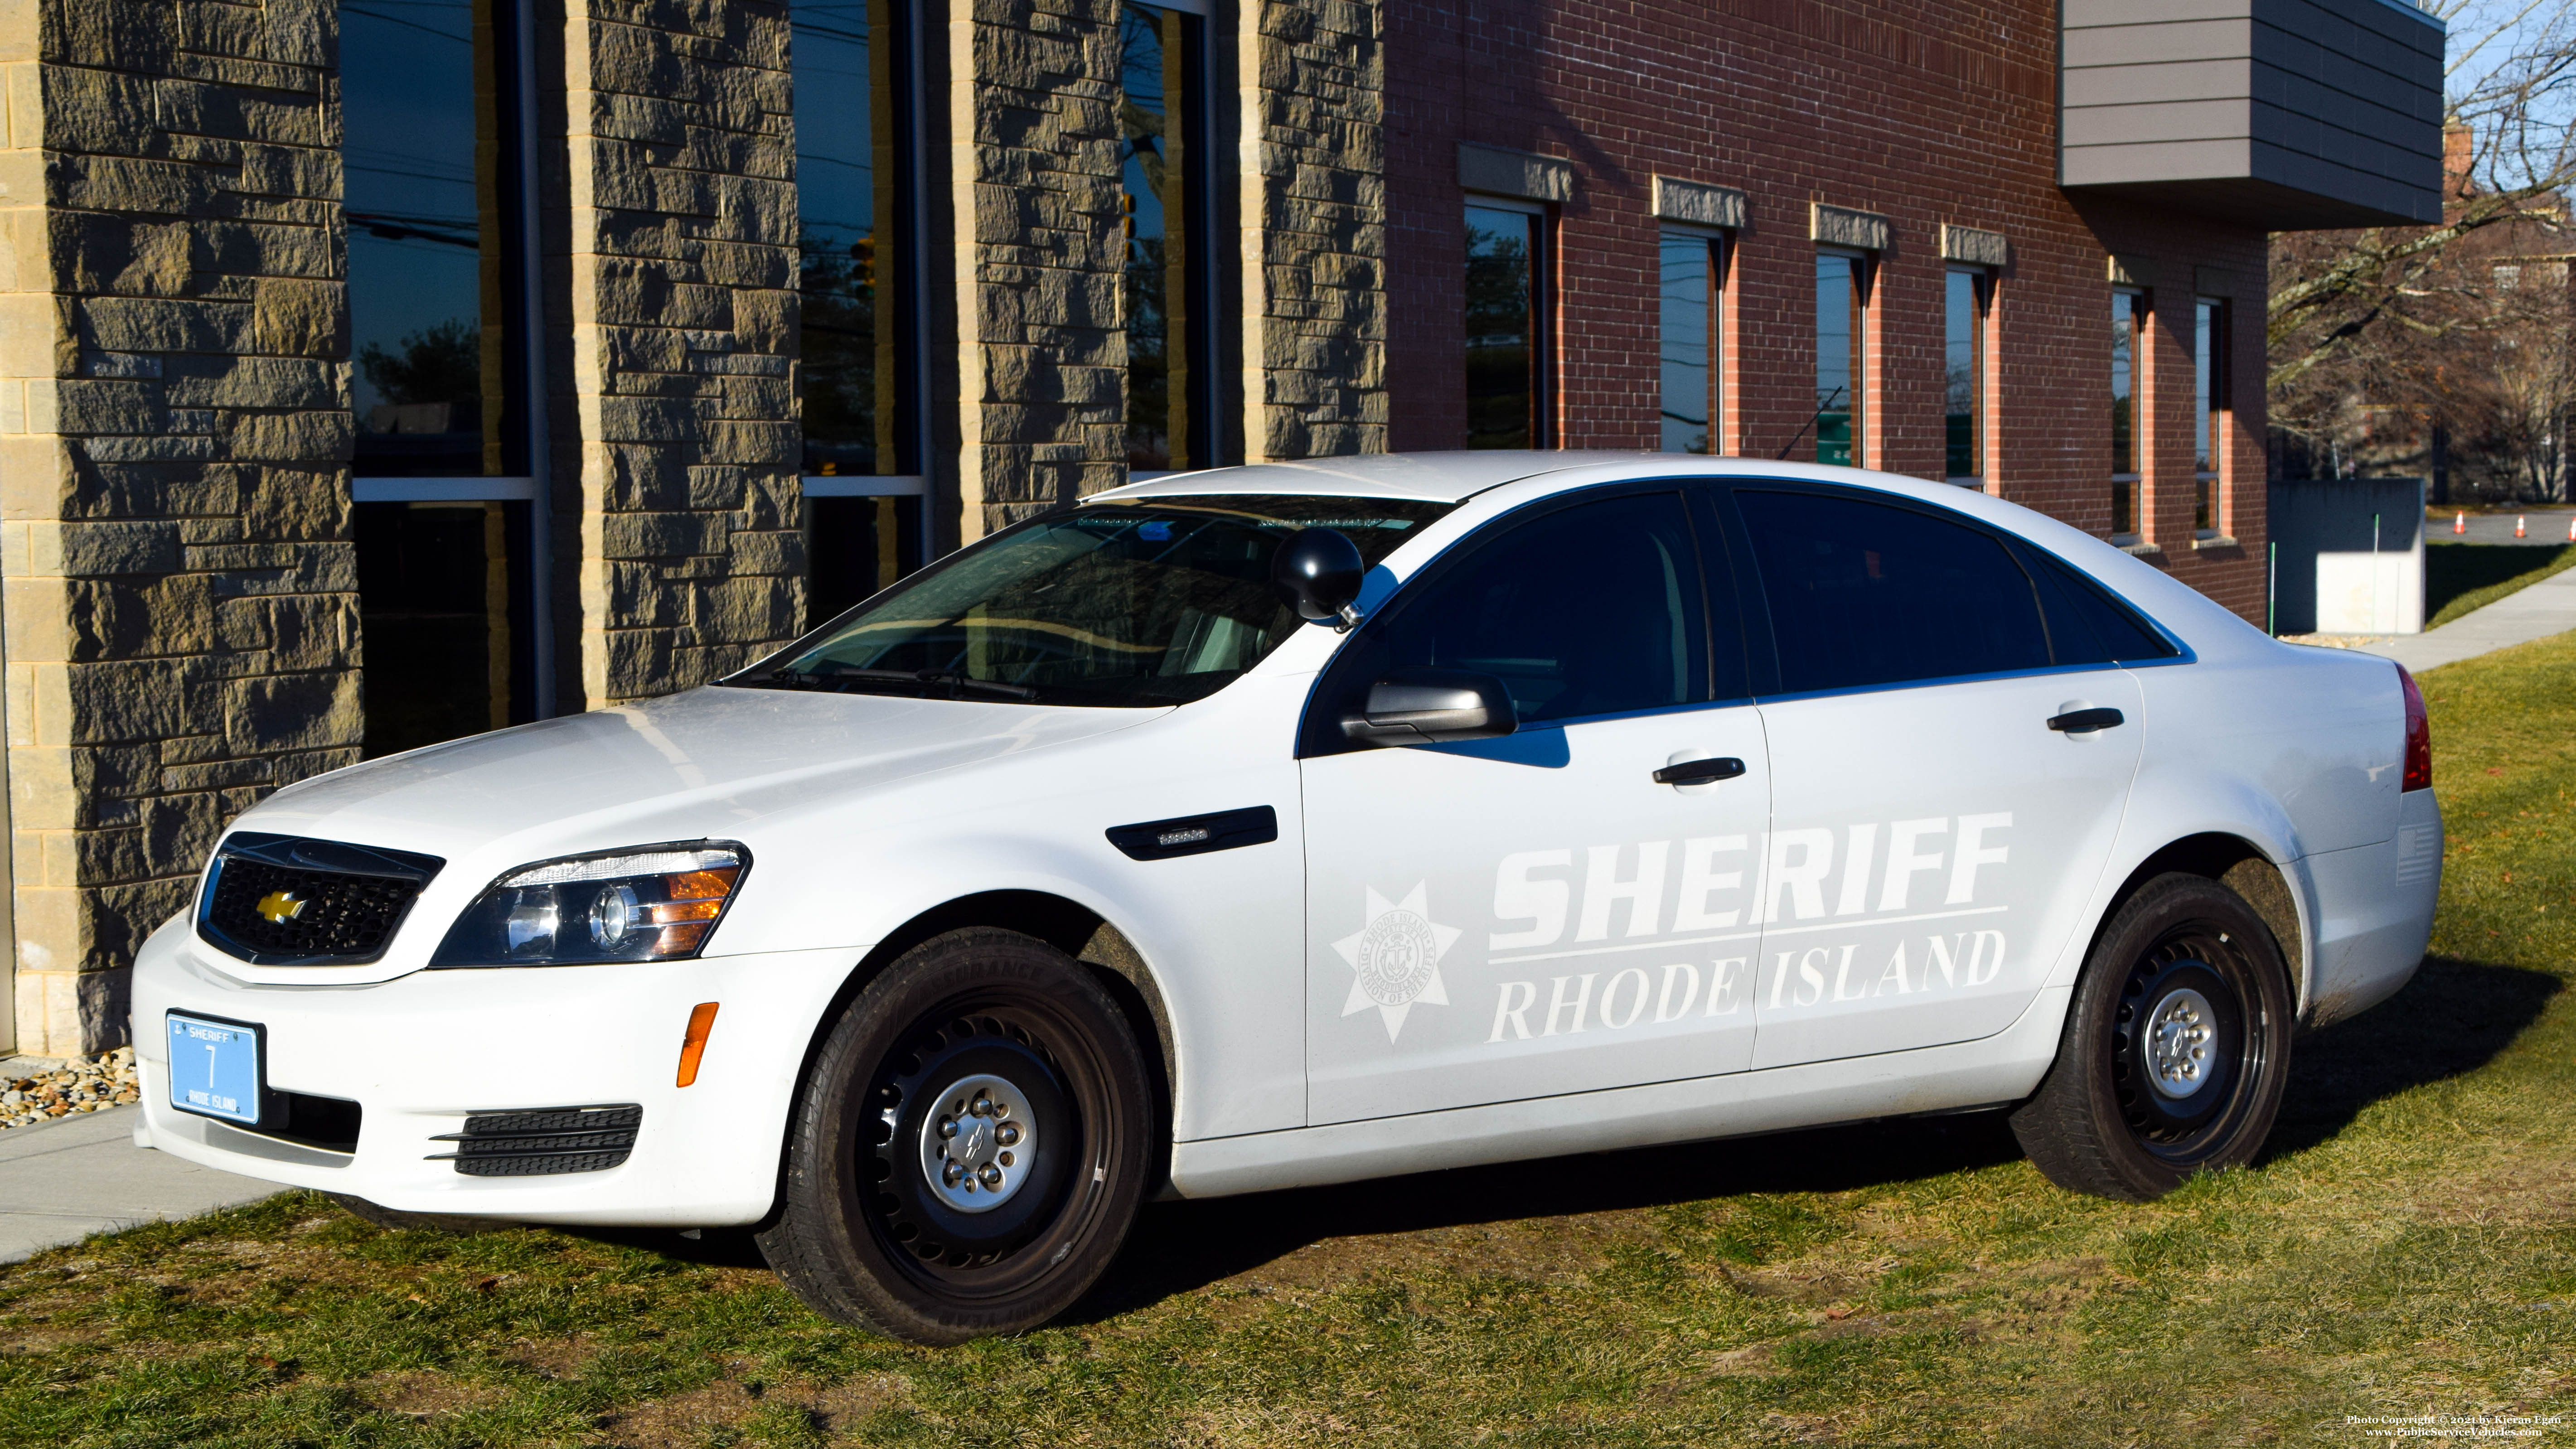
<point>710,762</point>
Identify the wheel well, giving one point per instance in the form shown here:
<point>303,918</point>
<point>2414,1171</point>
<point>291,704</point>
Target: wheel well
<point>2241,866</point>
<point>1075,930</point>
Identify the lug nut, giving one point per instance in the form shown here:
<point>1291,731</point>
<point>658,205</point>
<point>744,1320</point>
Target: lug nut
<point>952,1174</point>
<point>991,1176</point>
<point>947,1126</point>
<point>1008,1134</point>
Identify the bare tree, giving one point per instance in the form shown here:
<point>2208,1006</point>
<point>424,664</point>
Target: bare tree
<point>2408,325</point>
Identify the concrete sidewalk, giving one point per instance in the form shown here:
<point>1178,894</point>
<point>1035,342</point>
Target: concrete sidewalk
<point>2545,608</point>
<point>61,1181</point>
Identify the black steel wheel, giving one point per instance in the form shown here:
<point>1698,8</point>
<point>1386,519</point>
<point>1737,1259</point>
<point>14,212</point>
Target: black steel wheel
<point>969,1148</point>
<point>2176,1048</point>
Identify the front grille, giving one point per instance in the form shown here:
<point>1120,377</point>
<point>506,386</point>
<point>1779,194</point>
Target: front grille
<point>542,1141</point>
<point>276,900</point>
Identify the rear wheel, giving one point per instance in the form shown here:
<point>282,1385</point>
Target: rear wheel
<point>2176,1047</point>
<point>969,1149</point>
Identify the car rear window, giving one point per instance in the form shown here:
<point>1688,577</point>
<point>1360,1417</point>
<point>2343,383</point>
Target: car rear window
<point>1157,601</point>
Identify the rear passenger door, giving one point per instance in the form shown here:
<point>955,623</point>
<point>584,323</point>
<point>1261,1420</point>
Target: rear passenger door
<point>1933,839</point>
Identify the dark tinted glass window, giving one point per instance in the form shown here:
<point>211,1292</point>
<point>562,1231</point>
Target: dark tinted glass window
<point>1587,610</point>
<point>1862,594</point>
<point>2086,624</point>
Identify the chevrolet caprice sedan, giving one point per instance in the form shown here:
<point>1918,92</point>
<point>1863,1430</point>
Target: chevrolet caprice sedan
<point>1311,822</point>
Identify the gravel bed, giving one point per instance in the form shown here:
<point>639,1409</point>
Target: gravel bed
<point>82,1085</point>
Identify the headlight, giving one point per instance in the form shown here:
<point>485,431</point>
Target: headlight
<point>651,903</point>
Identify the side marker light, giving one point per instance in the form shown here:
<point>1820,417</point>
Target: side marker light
<point>693,1045</point>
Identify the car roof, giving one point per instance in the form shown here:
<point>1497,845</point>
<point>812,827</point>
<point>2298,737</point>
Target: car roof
<point>1456,477</point>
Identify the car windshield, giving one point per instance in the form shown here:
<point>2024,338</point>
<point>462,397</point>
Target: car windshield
<point>1154,602</point>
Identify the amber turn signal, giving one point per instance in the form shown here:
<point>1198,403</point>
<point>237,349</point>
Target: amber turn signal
<point>693,1044</point>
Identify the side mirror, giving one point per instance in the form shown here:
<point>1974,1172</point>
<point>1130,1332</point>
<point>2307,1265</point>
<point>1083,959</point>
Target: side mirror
<point>1430,706</point>
<point>1317,573</point>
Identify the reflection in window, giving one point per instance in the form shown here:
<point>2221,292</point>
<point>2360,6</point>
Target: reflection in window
<point>1506,346</point>
<point>2208,403</point>
<point>1693,280</point>
<point>1865,594</point>
<point>1148,41</point>
<point>1842,332</point>
<point>426,238</point>
<point>836,207</point>
<point>435,582</point>
<point>1964,362</point>
<point>435,284</point>
<point>2128,317</point>
<point>858,545</point>
<point>1588,610</point>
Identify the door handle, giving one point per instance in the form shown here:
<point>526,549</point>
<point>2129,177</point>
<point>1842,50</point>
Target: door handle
<point>1700,772</point>
<point>2086,721</point>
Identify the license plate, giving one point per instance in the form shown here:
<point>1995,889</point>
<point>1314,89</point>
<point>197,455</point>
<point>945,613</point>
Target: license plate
<point>214,1068</point>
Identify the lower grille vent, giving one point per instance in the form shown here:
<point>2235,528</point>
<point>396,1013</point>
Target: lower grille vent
<point>542,1141</point>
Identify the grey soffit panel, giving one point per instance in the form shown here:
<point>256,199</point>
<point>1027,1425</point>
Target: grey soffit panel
<point>2279,113</point>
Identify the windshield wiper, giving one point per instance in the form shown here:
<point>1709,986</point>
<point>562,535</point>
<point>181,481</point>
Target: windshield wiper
<point>842,677</point>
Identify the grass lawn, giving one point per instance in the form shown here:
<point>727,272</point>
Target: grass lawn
<point>2409,1247</point>
<point>2459,577</point>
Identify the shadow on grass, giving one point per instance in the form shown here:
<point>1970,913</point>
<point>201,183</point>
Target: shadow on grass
<point>1179,1247</point>
<point>2450,1020</point>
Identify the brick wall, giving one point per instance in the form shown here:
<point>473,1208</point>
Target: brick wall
<point>1926,111</point>
<point>677,454</point>
<point>182,629</point>
<point>1038,249</point>
<point>1313,161</point>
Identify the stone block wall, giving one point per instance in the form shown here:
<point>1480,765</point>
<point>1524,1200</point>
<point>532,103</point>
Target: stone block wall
<point>1313,174</point>
<point>679,480</point>
<point>1038,248</point>
<point>181,616</point>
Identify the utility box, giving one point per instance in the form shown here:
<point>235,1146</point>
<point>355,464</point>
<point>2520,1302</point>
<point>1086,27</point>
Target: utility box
<point>2348,556</point>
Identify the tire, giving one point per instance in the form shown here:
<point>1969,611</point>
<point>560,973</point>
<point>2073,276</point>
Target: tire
<point>2176,1048</point>
<point>888,1222</point>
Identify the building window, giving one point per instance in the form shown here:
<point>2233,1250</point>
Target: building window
<point>2209,412</point>
<point>1507,342</point>
<point>1694,283</point>
<point>437,201</point>
<point>859,400</point>
<point>1965,301</point>
<point>2128,327</point>
<point>1168,191</point>
<point>1842,345</point>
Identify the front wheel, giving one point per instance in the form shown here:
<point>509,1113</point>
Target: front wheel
<point>969,1148</point>
<point>2176,1048</point>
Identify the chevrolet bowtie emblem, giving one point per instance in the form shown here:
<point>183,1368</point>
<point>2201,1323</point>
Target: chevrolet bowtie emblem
<point>280,907</point>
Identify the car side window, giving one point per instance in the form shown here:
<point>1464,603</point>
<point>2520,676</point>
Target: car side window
<point>2084,623</point>
<point>1593,609</point>
<point>1866,594</point>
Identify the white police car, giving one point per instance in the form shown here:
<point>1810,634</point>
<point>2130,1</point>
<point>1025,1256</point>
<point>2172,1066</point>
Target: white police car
<point>1606,801</point>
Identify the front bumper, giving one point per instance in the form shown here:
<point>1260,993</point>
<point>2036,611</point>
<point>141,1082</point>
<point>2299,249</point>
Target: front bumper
<point>421,1052</point>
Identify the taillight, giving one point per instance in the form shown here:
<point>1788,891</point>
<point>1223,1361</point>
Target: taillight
<point>2419,736</point>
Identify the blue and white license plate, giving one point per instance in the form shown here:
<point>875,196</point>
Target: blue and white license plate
<point>214,1068</point>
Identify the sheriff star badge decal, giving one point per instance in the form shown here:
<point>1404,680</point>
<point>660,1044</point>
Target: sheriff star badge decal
<point>1397,955</point>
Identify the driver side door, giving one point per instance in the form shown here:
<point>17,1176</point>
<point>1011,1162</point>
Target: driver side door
<point>1500,919</point>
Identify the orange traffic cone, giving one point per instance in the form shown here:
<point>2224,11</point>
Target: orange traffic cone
<point>2460,524</point>
<point>2571,528</point>
<point>2517,525</point>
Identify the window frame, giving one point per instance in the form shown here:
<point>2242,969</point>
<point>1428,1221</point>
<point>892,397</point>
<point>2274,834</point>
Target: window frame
<point>2212,419</point>
<point>523,485</point>
<point>2141,323</point>
<point>1983,282</point>
<point>907,227</point>
<point>1864,318</point>
<point>1544,434</point>
<point>1720,244</point>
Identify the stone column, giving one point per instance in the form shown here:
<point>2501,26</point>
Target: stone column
<point>1038,249</point>
<point>683,501</point>
<point>180,591</point>
<point>1312,167</point>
